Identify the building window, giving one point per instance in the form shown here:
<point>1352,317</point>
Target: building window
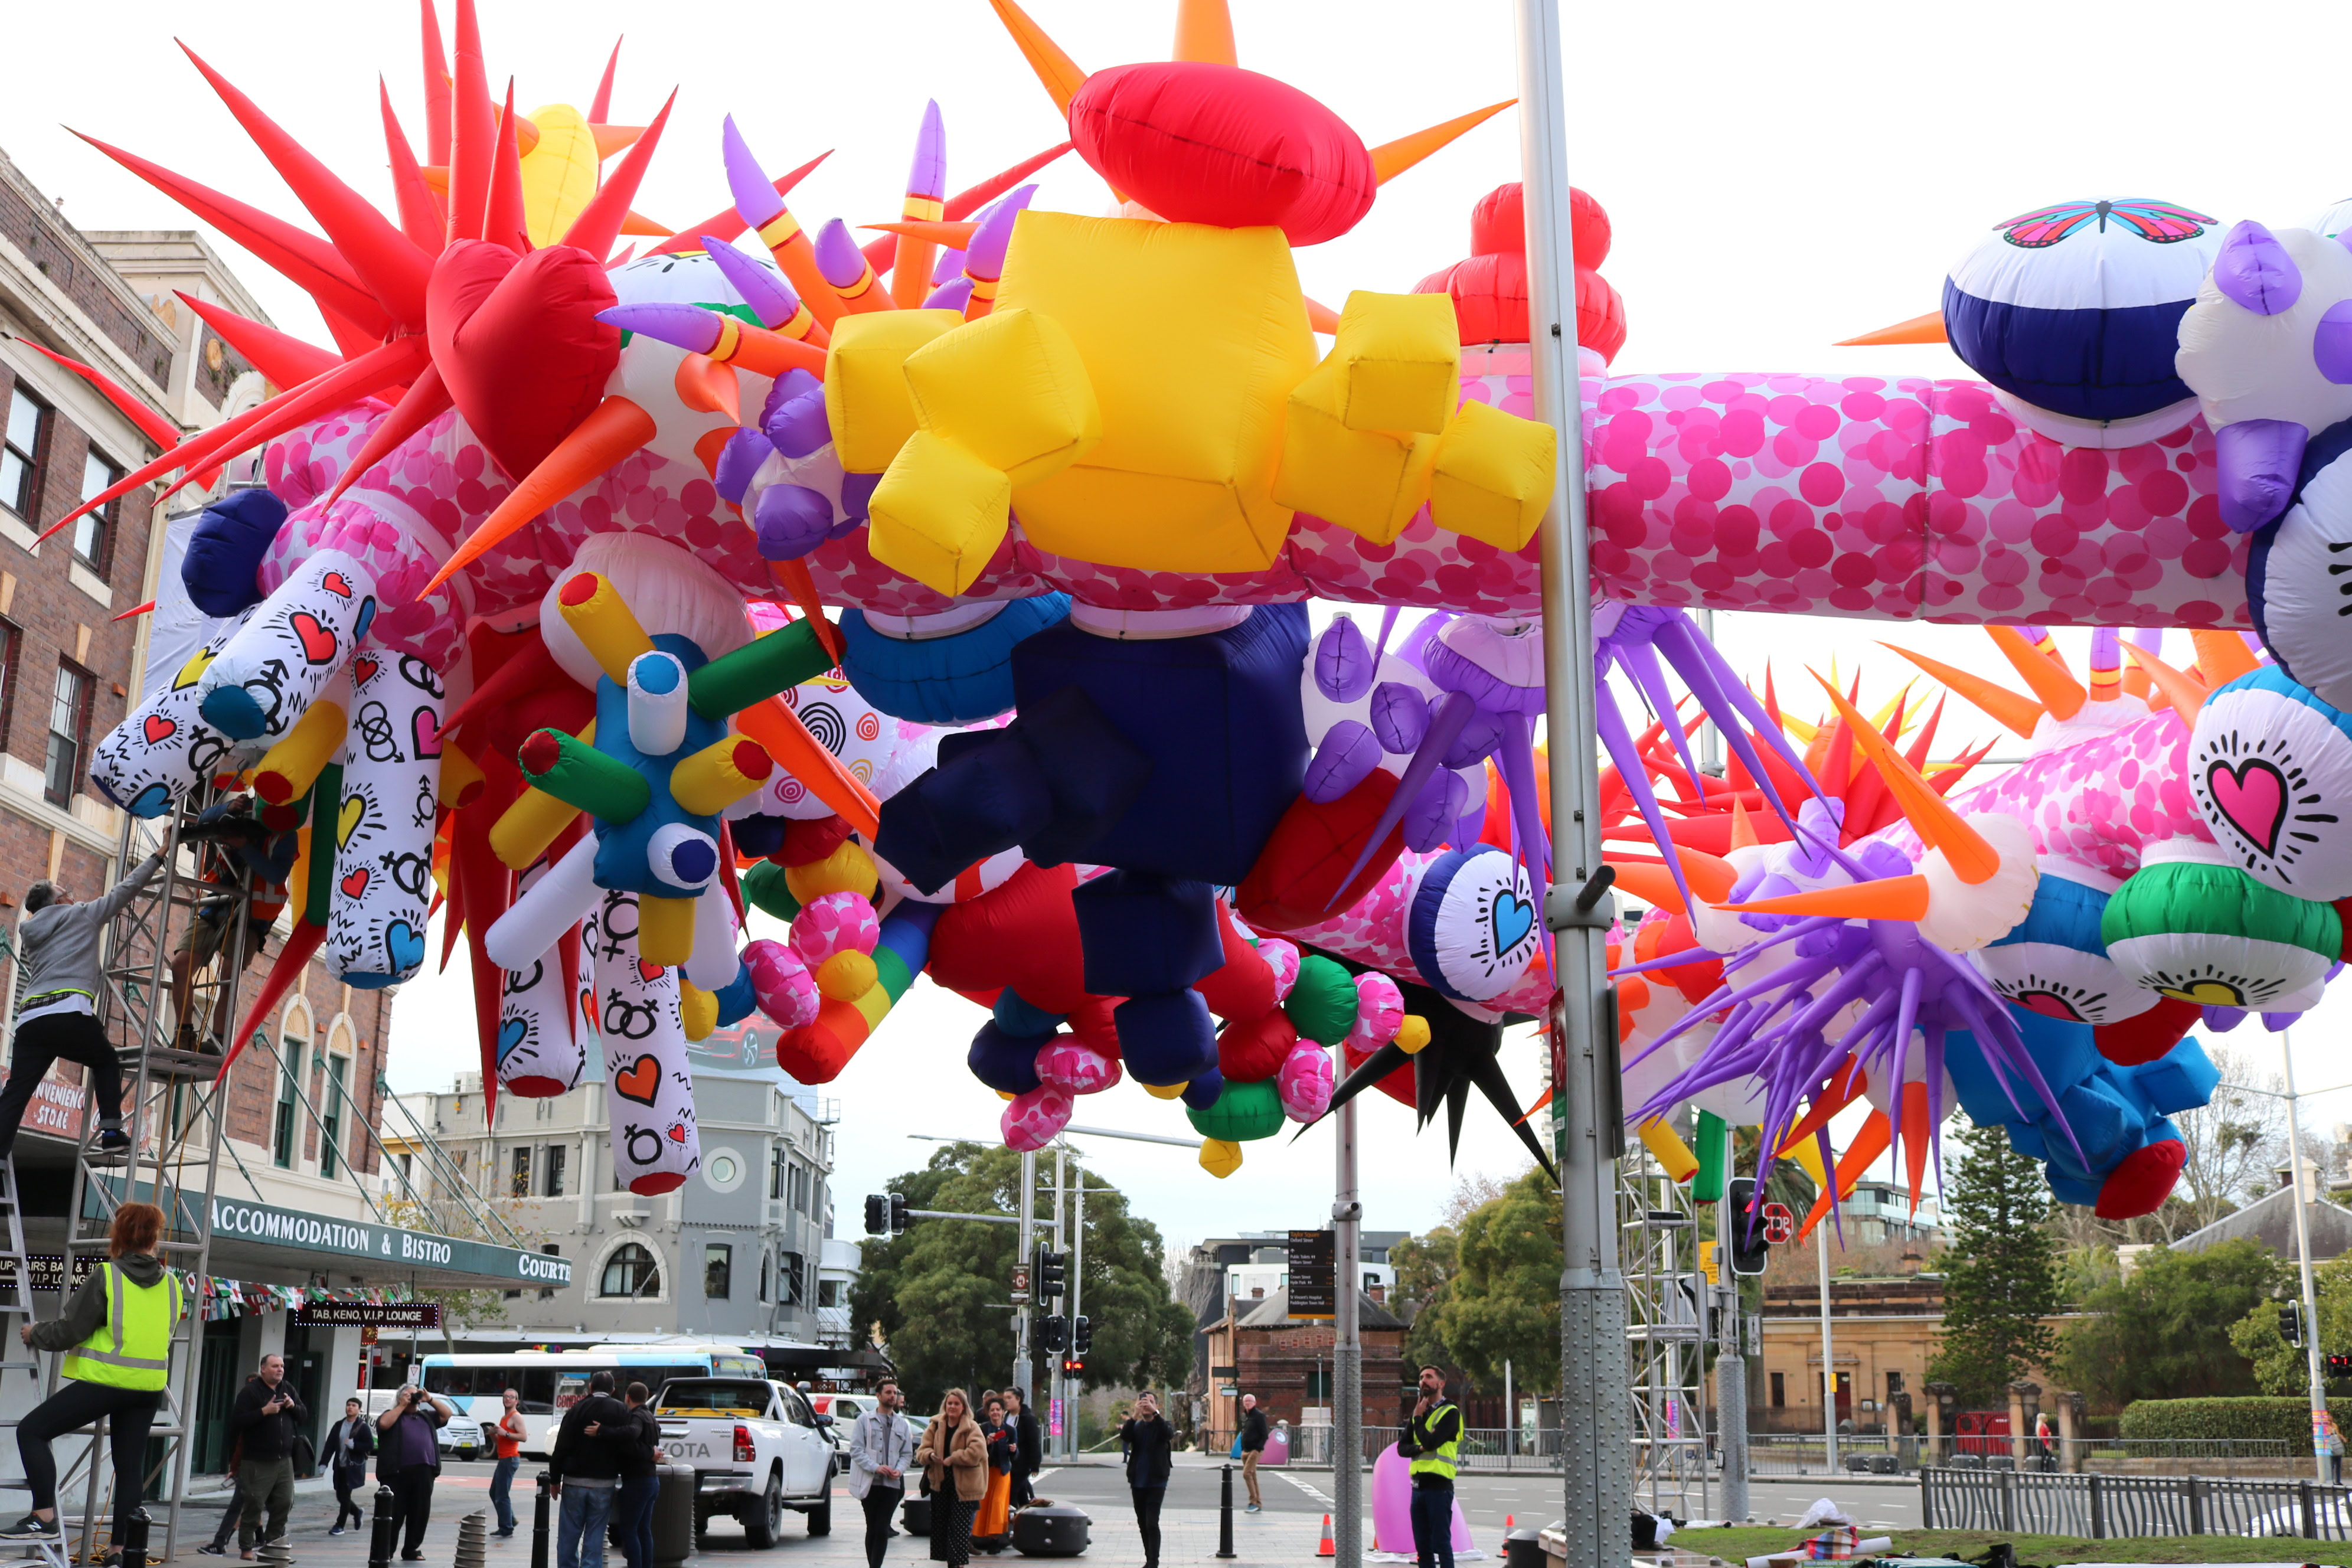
<point>778,1162</point>
<point>792,1287</point>
<point>518,1184</point>
<point>1318,1385</point>
<point>763,1277</point>
<point>331,1127</point>
<point>1894,1386</point>
<point>828,1293</point>
<point>292,1050</point>
<point>69,730</point>
<point>1779,1393</point>
<point>717,1270</point>
<point>556,1152</point>
<point>20,453</point>
<point>12,642</point>
<point>797,1186</point>
<point>547,1293</point>
<point>631,1272</point>
<point>94,534</point>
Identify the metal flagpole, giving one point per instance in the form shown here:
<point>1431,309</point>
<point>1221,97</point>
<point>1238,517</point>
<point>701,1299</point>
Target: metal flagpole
<point>1346,1354</point>
<point>1596,1413</point>
<point>1023,1259</point>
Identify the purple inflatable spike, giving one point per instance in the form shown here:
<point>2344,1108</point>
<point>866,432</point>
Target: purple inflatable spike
<point>756,202</point>
<point>2221,1020</point>
<point>2254,272</point>
<point>1452,712</point>
<point>1347,756</point>
<point>1388,625</point>
<point>689,327</point>
<point>738,461</point>
<point>994,232</point>
<point>838,259</point>
<point>948,268</point>
<point>954,295</point>
<point>928,178</point>
<point>1640,660</point>
<point>2260,460</point>
<point>1428,818</point>
<point>1343,661</point>
<point>770,297</point>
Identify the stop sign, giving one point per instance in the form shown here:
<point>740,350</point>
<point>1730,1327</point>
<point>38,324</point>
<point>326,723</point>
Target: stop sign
<point>1779,1223</point>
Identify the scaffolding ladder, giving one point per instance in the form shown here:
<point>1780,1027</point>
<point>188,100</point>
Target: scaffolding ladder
<point>1666,1332</point>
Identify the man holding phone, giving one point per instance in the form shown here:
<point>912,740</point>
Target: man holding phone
<point>1430,1437</point>
<point>264,1419</point>
<point>408,1459</point>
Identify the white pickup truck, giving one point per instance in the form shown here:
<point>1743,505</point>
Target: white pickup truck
<point>757,1449</point>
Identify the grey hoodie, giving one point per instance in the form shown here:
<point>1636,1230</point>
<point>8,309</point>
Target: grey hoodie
<point>57,946</point>
<point>87,1314</point>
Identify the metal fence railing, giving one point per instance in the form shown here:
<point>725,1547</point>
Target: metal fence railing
<point>1485,1450</point>
<point>2105,1507</point>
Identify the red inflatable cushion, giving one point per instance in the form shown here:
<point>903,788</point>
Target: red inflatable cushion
<point>1498,225</point>
<point>1218,145</point>
<point>1490,303</point>
<point>1251,1050</point>
<point>2143,1180</point>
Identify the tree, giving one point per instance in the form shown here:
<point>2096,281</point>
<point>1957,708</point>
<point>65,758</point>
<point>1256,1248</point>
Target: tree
<point>2282,1368</point>
<point>2234,1142</point>
<point>1503,1300</point>
<point>2001,1277</point>
<point>2163,1332</point>
<point>937,1292</point>
<point>1425,1267</point>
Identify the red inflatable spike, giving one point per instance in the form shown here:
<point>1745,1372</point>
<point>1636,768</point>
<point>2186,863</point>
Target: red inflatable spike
<point>600,108</point>
<point>728,223</point>
<point>503,221</point>
<point>436,87</point>
<point>302,944</point>
<point>392,269</point>
<point>420,210</point>
<point>284,359</point>
<point>389,367</point>
<point>154,425</point>
<point>473,130</point>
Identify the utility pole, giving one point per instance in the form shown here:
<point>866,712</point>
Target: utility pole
<point>1596,1426</point>
<point>1731,1394</point>
<point>2302,1255</point>
<point>1346,1356</point>
<point>1054,1377</point>
<point>1022,1260</point>
<point>1078,1300</point>
<point>1829,1360</point>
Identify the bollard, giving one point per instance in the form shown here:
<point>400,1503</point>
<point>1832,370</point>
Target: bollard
<point>539,1520</point>
<point>387,1529</point>
<point>132,1538</point>
<point>1226,1517</point>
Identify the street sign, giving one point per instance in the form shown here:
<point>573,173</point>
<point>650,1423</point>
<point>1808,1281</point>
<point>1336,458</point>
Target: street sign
<point>1021,1281</point>
<point>368,1314</point>
<point>1314,1285</point>
<point>1780,1224</point>
<point>1707,1262</point>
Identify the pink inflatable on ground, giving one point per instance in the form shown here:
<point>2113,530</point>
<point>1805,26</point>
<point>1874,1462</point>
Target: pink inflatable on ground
<point>1393,1511</point>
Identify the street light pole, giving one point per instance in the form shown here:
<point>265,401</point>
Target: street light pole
<point>2303,1258</point>
<point>1596,1426</point>
<point>1021,1378</point>
<point>1077,1303</point>
<point>1347,1353</point>
<point>1829,1358</point>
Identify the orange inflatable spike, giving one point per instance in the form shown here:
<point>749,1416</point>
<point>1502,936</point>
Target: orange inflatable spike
<point>1927,328</point>
<point>436,87</point>
<point>1651,882</point>
<point>951,234</point>
<point>1205,33</point>
<point>709,445</point>
<point>600,108</point>
<point>637,222</point>
<point>1743,831</point>
<point>1870,1141</point>
<point>1888,899</point>
<point>427,399</point>
<point>1542,1101</point>
<point>420,212</point>
<point>709,387</point>
<point>134,611</point>
<point>1391,159</point>
<point>1058,72</point>
<point>1843,1084</point>
<point>1915,1140</point>
<point>473,130</point>
<point>2221,658</point>
<point>763,352</point>
<point>599,222</point>
<point>612,139</point>
<point>615,429</point>
<point>1972,860</point>
<point>503,221</point>
<point>2180,689</point>
<point>2003,706</point>
<point>2060,692</point>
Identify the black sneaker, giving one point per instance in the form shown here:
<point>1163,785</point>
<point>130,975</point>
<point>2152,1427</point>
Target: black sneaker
<point>113,1140</point>
<point>32,1527</point>
<point>212,1551</point>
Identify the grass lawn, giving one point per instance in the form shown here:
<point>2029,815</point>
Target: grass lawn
<point>1739,1545</point>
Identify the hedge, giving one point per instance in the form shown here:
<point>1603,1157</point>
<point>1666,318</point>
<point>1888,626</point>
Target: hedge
<point>2279,1420</point>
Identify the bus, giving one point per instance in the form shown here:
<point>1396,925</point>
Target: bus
<point>552,1381</point>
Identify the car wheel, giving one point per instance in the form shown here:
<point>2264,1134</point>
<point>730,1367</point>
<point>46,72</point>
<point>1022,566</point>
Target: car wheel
<point>763,1528</point>
<point>468,1454</point>
<point>820,1517</point>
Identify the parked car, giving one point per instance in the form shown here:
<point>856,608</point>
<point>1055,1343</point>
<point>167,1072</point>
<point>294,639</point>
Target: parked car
<point>757,1448</point>
<point>844,1409</point>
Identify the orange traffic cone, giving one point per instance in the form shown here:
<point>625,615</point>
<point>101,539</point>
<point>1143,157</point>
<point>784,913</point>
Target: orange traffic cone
<point>1509,1521</point>
<point>1327,1549</point>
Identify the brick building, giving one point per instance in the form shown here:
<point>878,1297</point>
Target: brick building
<point>1259,1348</point>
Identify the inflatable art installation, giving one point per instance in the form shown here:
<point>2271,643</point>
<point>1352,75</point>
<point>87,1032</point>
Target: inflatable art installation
<point>939,587</point>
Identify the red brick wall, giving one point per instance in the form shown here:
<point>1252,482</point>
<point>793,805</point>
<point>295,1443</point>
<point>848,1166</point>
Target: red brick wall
<point>1275,1364</point>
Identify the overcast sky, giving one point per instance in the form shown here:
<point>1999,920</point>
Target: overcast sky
<point>1778,176</point>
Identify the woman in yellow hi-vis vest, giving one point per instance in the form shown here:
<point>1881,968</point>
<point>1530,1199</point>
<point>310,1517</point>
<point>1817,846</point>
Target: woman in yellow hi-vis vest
<point>117,1339</point>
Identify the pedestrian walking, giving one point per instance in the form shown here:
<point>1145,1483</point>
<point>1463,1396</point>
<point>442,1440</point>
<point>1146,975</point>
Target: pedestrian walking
<point>265,1418</point>
<point>1146,1443</point>
<point>993,1525</point>
<point>2331,1445</point>
<point>508,1436</point>
<point>408,1460</point>
<point>350,1444</point>
<point>1253,1444</point>
<point>117,1339</point>
<point>881,1449</point>
<point>586,1472</point>
<point>1030,1449</point>
<point>1430,1437</point>
<point>58,944</point>
<point>636,1445</point>
<point>954,1457</point>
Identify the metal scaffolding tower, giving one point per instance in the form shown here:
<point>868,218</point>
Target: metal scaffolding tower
<point>1665,1330</point>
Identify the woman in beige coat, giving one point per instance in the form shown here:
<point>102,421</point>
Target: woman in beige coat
<point>954,1456</point>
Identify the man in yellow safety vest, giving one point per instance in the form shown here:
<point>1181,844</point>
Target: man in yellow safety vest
<point>1430,1437</point>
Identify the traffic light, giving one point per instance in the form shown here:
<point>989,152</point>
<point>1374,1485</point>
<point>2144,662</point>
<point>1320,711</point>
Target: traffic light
<point>2290,1319</point>
<point>1745,1233</point>
<point>1052,1273</point>
<point>2338,1364</point>
<point>877,1213</point>
<point>1052,1333</point>
<point>1081,1334</point>
<point>897,1214</point>
<point>1072,1365</point>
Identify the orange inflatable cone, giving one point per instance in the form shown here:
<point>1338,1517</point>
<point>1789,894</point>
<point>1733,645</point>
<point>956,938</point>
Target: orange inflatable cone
<point>1325,1548</point>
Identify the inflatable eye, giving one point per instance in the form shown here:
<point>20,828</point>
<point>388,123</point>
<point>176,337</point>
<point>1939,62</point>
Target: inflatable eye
<point>2269,767</point>
<point>2059,983</point>
<point>1473,928</point>
<point>2214,936</point>
<point>681,856</point>
<point>657,703</point>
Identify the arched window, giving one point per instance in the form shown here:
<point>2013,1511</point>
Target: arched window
<point>631,1272</point>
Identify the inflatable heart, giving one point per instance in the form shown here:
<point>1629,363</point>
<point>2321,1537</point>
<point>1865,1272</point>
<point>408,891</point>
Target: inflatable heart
<point>517,342</point>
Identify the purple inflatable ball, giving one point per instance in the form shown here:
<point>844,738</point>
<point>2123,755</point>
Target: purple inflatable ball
<point>792,519</point>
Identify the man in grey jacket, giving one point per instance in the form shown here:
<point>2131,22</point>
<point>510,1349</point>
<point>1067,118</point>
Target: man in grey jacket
<point>881,1449</point>
<point>58,950</point>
